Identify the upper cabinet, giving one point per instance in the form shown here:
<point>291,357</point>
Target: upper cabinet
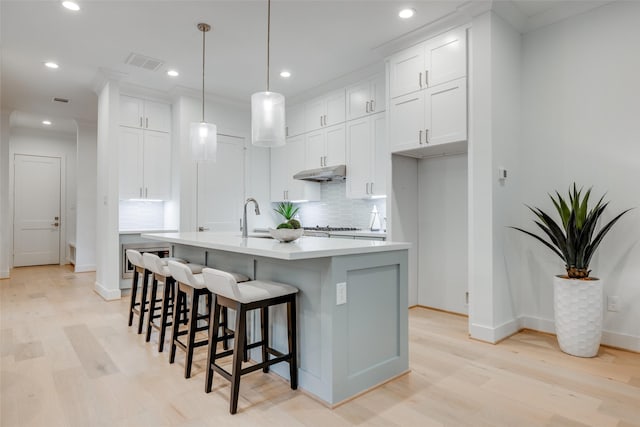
<point>431,63</point>
<point>367,157</point>
<point>428,99</point>
<point>286,161</point>
<point>326,111</point>
<point>365,98</point>
<point>325,147</point>
<point>295,120</point>
<point>144,114</point>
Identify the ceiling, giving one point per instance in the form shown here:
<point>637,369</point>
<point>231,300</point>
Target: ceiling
<point>318,41</point>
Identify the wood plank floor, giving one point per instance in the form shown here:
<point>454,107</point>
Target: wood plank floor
<point>69,359</point>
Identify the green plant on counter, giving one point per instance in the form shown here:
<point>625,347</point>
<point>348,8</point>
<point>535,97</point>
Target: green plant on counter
<point>288,211</point>
<point>574,240</point>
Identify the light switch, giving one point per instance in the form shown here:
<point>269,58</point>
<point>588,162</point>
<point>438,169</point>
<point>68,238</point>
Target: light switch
<point>502,173</point>
<point>341,293</point>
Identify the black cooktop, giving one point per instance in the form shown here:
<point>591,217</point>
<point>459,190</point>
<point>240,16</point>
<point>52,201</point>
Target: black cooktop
<point>327,228</point>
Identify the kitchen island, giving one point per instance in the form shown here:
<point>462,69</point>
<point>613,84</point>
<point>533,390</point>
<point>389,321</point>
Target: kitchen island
<point>352,305</point>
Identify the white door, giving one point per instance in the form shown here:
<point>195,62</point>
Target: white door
<point>446,58</point>
<point>36,233</point>
<point>406,71</point>
<point>360,154</point>
<point>358,99</point>
<point>406,120</point>
<point>221,187</point>
<point>446,112</point>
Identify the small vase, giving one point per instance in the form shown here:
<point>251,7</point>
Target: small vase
<point>578,315</point>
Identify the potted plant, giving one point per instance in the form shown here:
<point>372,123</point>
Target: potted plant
<point>578,298</point>
<point>289,230</point>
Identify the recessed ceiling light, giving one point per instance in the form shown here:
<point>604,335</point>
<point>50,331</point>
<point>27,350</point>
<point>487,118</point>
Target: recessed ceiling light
<point>46,122</point>
<point>173,73</point>
<point>51,65</point>
<point>71,5</point>
<point>285,74</point>
<point>406,13</point>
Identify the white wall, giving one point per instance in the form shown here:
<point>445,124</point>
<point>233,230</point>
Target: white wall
<point>86,200</point>
<point>55,144</point>
<point>5,240</point>
<point>580,123</point>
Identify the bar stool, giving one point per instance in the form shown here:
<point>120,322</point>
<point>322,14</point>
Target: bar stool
<point>160,274</point>
<point>257,294</point>
<point>191,286</point>
<point>139,271</point>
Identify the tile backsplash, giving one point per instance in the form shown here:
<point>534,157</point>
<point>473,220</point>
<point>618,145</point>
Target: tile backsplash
<point>334,209</point>
<point>141,215</point>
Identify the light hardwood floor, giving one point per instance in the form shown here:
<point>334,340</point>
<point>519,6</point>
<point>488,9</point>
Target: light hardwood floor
<point>69,359</point>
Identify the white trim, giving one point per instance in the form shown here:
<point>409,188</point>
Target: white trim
<point>493,335</point>
<point>4,274</point>
<point>84,268</point>
<point>107,294</point>
<point>481,332</point>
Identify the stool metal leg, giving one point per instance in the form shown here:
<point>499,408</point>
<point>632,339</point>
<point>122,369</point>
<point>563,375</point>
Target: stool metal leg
<point>264,330</point>
<point>214,326</point>
<point>134,293</point>
<point>167,302</point>
<point>152,306</point>
<point>238,348</point>
<point>177,311</point>
<point>143,299</point>
<point>293,344</point>
<point>191,334</point>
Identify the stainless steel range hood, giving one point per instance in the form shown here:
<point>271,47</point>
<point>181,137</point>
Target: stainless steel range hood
<point>328,173</point>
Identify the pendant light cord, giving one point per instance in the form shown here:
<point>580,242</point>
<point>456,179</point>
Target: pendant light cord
<point>203,31</point>
<point>268,38</point>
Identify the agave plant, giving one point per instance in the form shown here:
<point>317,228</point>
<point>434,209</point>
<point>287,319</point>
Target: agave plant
<point>575,241</point>
<point>287,210</point>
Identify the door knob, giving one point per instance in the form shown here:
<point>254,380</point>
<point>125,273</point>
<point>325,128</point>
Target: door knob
<point>203,228</point>
<point>55,224</point>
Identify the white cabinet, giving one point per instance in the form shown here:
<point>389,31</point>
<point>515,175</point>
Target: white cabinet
<point>434,62</point>
<point>366,157</point>
<point>325,147</point>
<point>325,111</point>
<point>365,98</point>
<point>286,161</point>
<point>295,121</point>
<point>144,114</point>
<point>145,164</point>
<point>434,116</point>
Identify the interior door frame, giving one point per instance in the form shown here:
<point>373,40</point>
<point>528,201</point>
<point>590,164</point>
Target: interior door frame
<point>62,252</point>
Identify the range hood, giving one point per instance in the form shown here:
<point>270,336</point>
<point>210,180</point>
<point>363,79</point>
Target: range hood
<point>328,173</point>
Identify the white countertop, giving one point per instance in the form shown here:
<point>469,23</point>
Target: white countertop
<point>156,230</point>
<point>359,233</point>
<point>303,248</point>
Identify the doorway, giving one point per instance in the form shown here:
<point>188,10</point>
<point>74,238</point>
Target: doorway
<point>36,214</point>
<point>221,187</point>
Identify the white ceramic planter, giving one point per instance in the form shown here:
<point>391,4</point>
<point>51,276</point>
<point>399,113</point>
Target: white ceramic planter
<point>578,315</point>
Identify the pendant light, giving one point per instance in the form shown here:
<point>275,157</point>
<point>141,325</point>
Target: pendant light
<point>267,108</point>
<point>203,135</point>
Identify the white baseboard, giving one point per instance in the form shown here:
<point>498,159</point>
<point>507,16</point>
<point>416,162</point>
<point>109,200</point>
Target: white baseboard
<point>4,274</point>
<point>107,294</point>
<point>494,334</point>
<point>613,339</point>
<point>84,268</point>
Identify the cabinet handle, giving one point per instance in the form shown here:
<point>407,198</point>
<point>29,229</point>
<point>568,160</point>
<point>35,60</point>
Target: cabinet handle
<point>140,121</point>
<point>367,107</point>
<point>146,192</point>
<point>420,136</point>
<point>420,79</point>
<point>371,188</point>
<point>146,123</point>
<point>367,188</point>
<point>321,161</point>
<point>325,119</point>
<point>426,136</point>
<point>325,160</point>
<point>286,131</point>
<point>372,108</point>
<point>320,120</point>
<point>426,78</point>
<point>140,192</point>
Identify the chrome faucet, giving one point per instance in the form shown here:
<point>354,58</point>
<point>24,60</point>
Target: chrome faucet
<point>244,218</point>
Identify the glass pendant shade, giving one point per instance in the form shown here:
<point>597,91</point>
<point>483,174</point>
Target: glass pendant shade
<point>204,141</point>
<point>267,119</point>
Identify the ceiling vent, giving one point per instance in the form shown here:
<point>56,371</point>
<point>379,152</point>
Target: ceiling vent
<point>142,61</point>
<point>61,100</point>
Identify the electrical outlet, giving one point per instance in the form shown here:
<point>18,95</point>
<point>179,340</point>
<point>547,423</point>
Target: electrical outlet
<point>613,303</point>
<point>341,293</point>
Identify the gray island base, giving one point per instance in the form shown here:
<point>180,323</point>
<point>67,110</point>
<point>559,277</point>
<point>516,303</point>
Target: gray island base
<point>352,305</point>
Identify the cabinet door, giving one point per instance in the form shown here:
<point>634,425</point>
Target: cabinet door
<point>279,172</point>
<point>378,91</point>
<point>335,108</point>
<point>406,71</point>
<point>358,98</point>
<point>157,116</point>
<point>314,112</point>
<point>446,112</point>
<point>131,111</point>
<point>360,154</point>
<point>378,185</point>
<point>314,151</point>
<point>446,57</point>
<point>130,147</point>
<point>157,165</point>
<point>406,120</point>
<point>298,190</point>
<point>335,145</point>
<point>295,120</point>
